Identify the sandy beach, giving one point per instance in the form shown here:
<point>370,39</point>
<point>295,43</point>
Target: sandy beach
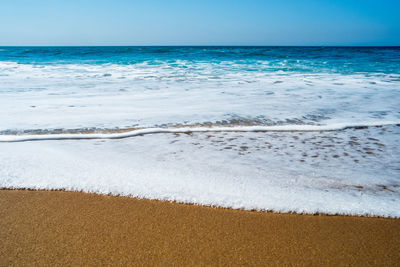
<point>72,228</point>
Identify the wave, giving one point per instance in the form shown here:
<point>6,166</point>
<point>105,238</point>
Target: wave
<point>353,172</point>
<point>165,93</point>
<point>139,132</point>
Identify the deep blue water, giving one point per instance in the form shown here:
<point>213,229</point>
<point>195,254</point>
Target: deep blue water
<point>297,59</point>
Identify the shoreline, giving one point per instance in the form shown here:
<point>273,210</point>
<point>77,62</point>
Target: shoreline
<point>62,227</point>
<point>174,202</point>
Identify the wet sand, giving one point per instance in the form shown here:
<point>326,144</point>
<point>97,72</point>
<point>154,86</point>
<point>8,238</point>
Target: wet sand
<point>71,228</point>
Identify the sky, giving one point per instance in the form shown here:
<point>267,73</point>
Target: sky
<point>199,22</point>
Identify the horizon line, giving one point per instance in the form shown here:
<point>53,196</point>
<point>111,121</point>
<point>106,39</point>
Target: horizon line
<point>355,46</point>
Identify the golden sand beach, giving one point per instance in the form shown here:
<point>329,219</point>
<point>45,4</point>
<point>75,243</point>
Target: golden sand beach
<point>47,228</point>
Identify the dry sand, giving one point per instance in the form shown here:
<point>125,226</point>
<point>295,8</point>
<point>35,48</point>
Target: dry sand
<point>70,228</point>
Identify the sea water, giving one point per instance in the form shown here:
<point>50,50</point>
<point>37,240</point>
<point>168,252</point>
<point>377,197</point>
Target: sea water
<point>292,129</point>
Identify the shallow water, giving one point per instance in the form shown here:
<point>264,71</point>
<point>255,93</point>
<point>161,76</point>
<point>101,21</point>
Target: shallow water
<point>353,171</point>
<point>272,128</point>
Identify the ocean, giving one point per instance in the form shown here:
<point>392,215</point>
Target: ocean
<point>287,129</point>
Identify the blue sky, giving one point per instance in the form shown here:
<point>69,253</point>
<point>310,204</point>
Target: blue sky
<point>201,22</point>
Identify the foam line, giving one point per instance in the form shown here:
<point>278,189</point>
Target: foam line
<point>275,128</point>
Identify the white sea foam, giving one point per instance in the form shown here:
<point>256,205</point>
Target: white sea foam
<point>144,95</point>
<point>337,172</point>
<point>276,141</point>
<point>275,128</point>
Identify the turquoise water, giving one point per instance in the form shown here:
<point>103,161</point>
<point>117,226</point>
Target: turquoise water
<point>296,59</point>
